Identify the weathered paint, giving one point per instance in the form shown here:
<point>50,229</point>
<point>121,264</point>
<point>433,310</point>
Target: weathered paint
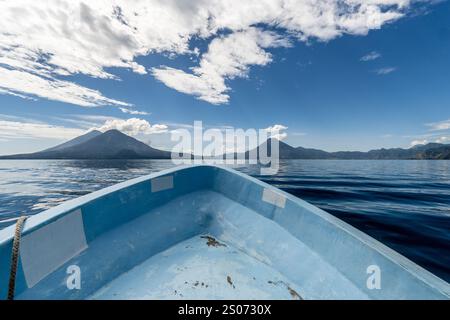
<point>193,269</point>
<point>236,227</point>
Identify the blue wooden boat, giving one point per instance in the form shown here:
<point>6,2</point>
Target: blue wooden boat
<point>204,232</point>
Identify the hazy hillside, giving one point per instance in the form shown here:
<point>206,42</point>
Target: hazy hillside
<point>429,151</point>
<point>112,144</point>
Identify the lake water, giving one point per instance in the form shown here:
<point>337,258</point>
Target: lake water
<point>404,204</point>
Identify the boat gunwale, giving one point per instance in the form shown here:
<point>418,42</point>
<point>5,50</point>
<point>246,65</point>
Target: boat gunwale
<point>47,216</point>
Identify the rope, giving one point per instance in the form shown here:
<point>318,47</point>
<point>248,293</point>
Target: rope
<point>15,256</point>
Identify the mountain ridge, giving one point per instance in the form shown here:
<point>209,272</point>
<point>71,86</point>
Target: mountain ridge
<point>430,151</point>
<point>114,144</point>
<point>111,144</point>
<point>80,139</point>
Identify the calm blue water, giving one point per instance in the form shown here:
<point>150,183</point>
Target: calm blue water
<point>404,204</point>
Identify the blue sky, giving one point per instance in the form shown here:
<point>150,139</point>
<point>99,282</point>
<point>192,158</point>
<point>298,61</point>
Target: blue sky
<point>348,87</point>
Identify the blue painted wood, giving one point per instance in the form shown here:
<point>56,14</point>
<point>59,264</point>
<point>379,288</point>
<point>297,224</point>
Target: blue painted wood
<point>129,229</point>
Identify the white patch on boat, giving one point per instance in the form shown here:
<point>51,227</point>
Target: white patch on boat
<point>162,183</point>
<point>274,198</point>
<point>48,248</point>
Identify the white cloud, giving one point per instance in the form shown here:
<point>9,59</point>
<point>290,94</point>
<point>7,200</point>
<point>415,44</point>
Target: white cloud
<point>133,112</point>
<point>227,57</point>
<point>19,128</point>
<point>94,118</point>
<point>435,133</point>
<point>11,130</point>
<point>443,140</point>
<point>275,131</point>
<point>233,143</point>
<point>441,125</point>
<point>19,118</point>
<point>371,56</point>
<point>418,142</point>
<point>41,41</point>
<point>231,136</point>
<point>11,93</point>
<point>276,128</point>
<point>385,71</point>
<point>20,82</point>
<point>85,121</point>
<point>133,126</point>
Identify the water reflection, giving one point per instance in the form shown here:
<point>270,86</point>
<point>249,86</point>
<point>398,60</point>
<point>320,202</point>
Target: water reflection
<point>405,204</point>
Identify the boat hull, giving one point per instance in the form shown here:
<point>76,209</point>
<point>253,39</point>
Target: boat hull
<point>204,232</point>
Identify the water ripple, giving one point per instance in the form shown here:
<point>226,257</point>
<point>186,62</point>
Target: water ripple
<point>404,204</point>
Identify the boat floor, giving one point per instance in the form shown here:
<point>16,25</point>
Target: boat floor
<point>201,267</point>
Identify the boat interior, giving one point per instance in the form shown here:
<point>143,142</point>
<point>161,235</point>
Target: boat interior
<point>203,232</point>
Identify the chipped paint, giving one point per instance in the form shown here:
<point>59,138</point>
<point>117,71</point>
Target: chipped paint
<point>230,282</point>
<point>191,270</point>
<point>212,242</point>
<point>291,291</point>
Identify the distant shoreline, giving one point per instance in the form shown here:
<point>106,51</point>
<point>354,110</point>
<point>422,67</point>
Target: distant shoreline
<point>134,159</point>
<point>115,145</point>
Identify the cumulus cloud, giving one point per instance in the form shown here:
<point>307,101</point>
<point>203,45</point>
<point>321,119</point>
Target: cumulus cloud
<point>371,56</point>
<point>227,57</point>
<point>43,41</point>
<point>276,128</point>
<point>275,131</point>
<point>133,126</point>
